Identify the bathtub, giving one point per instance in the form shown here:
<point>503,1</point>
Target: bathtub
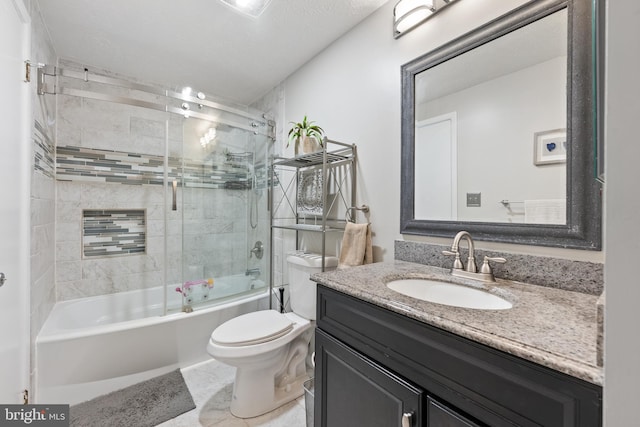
<point>92,346</point>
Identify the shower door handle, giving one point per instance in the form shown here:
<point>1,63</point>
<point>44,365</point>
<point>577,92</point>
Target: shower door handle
<point>174,203</point>
<point>3,279</point>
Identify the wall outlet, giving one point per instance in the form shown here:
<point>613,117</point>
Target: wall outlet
<point>474,200</point>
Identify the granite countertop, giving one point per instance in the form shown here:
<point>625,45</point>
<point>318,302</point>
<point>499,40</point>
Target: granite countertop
<point>552,327</point>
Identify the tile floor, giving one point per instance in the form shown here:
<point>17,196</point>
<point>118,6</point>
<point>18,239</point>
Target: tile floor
<point>211,384</point>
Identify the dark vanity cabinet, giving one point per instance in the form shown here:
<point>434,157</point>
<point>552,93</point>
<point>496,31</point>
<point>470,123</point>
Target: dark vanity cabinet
<point>375,367</point>
<point>359,392</point>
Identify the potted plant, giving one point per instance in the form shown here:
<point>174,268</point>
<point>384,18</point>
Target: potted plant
<point>306,135</point>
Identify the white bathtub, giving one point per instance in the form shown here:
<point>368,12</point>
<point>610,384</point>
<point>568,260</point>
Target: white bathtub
<point>91,346</point>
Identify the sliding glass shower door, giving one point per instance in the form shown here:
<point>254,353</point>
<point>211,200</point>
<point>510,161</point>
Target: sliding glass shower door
<point>159,192</point>
<point>218,226</point>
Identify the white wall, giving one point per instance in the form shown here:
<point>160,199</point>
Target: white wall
<point>622,317</point>
<point>352,89</point>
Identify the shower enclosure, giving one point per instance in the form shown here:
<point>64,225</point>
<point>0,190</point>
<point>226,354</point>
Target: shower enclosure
<point>221,208</point>
<point>157,188</point>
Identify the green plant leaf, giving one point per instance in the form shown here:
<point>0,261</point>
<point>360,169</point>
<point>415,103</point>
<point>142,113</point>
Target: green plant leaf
<point>305,128</point>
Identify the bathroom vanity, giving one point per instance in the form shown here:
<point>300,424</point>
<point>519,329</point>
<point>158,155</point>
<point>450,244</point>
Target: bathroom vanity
<point>385,359</point>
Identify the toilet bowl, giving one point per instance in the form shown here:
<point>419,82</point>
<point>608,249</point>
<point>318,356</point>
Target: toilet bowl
<point>269,349</point>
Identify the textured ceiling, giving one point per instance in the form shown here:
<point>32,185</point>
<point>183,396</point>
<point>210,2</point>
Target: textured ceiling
<point>200,43</point>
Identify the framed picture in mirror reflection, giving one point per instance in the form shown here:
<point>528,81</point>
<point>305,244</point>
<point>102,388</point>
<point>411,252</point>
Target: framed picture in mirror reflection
<point>550,147</point>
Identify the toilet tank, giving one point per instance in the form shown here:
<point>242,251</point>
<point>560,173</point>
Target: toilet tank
<point>302,291</point>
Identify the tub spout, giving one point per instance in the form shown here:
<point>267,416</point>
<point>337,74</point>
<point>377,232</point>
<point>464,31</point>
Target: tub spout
<point>255,272</point>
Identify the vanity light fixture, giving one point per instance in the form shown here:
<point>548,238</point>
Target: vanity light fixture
<point>408,14</point>
<point>253,8</point>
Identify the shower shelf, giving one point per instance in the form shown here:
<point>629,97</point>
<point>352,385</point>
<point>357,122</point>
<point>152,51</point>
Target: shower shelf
<point>317,158</point>
<point>312,192</point>
<point>306,227</point>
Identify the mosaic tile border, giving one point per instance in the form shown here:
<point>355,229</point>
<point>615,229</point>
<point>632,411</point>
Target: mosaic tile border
<point>109,232</point>
<point>43,151</point>
<point>96,165</point>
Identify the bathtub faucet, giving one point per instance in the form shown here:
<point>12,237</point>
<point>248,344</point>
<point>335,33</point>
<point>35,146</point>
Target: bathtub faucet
<point>255,272</point>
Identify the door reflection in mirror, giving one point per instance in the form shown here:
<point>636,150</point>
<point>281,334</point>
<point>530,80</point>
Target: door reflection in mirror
<point>436,178</point>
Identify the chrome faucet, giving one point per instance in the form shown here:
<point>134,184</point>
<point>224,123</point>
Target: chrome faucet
<point>471,261</point>
<point>471,271</point>
<point>257,250</point>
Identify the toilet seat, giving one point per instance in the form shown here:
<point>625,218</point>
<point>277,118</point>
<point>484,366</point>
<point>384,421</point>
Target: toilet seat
<point>252,328</point>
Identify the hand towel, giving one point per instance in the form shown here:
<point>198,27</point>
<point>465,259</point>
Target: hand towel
<point>356,246</point>
<point>545,211</point>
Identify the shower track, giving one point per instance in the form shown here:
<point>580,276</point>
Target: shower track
<point>256,124</point>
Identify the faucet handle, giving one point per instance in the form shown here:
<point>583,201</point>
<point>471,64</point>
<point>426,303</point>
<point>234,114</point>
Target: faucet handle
<point>457,264</point>
<point>486,268</point>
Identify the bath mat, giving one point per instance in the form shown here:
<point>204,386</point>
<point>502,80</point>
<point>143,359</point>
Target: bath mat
<point>148,403</point>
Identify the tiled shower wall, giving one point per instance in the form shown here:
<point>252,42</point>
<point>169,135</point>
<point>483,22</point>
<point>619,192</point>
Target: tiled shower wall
<point>206,235</point>
<point>77,276</point>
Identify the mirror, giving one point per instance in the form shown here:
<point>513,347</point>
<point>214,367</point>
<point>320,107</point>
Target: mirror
<point>497,132</point>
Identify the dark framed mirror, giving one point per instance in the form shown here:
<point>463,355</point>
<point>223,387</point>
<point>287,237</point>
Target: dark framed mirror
<point>498,131</point>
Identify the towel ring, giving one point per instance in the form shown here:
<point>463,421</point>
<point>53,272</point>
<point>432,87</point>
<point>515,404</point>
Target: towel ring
<point>351,217</point>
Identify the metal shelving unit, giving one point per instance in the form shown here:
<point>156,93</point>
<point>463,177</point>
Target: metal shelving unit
<point>313,192</point>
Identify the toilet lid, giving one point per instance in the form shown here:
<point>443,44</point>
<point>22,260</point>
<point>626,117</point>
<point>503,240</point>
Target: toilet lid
<point>252,328</point>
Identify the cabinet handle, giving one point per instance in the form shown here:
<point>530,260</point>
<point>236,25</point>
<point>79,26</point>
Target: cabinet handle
<point>407,419</point>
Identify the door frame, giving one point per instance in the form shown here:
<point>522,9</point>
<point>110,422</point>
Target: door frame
<point>22,187</point>
<point>452,118</point>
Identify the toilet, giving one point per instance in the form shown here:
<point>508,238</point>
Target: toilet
<point>269,349</point>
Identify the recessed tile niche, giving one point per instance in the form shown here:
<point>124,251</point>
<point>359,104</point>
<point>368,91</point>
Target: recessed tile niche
<point>110,232</point>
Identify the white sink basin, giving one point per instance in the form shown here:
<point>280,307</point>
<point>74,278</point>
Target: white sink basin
<point>449,294</point>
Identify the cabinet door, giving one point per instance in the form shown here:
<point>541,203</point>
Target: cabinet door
<point>352,390</point>
<point>439,415</point>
